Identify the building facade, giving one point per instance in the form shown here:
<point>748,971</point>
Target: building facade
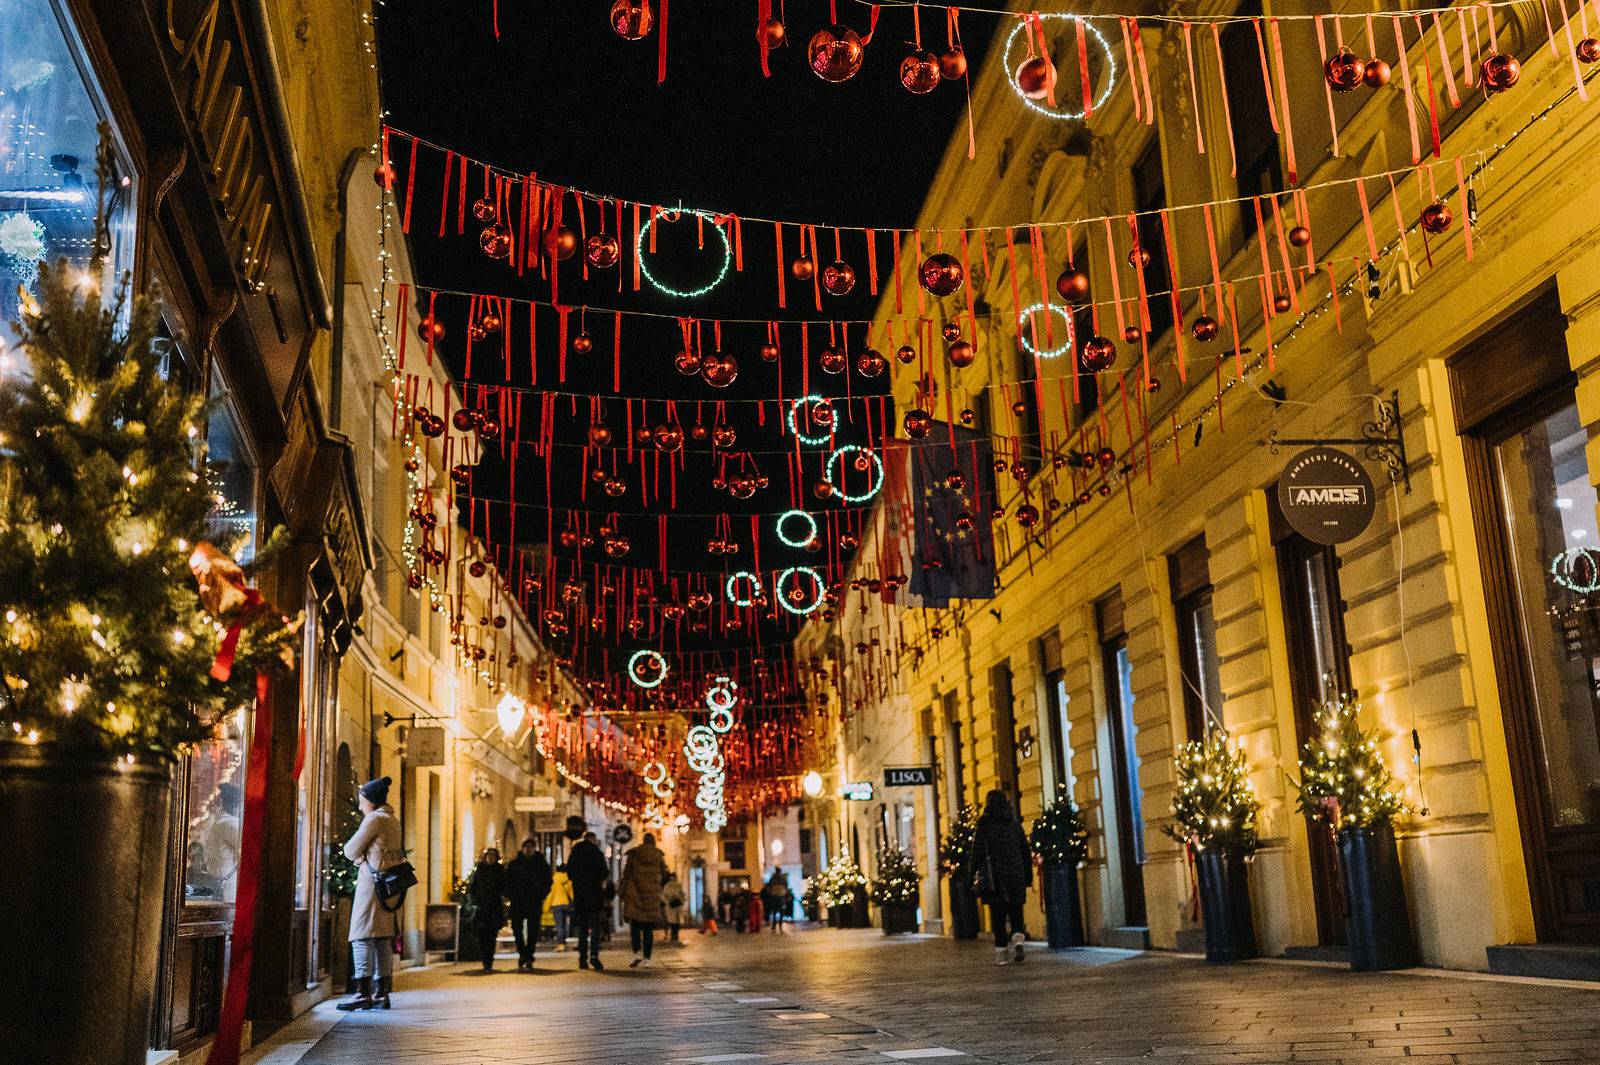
<point>1128,622</point>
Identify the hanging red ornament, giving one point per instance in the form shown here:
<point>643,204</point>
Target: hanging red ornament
<point>723,436</point>
<point>940,273</point>
<point>1072,284</point>
<point>1204,328</point>
<point>742,487</point>
<point>773,32</point>
<point>967,416</point>
<point>412,465</point>
<point>489,427</point>
<point>617,546</point>
<point>1375,75</point>
<point>490,322</point>
<point>433,427</point>
<point>919,72</point>
<point>615,486</point>
<point>582,344</point>
<point>1105,457</point>
<point>1098,354</point>
<point>383,175</point>
<point>461,419</point>
<point>1154,386</point>
<point>1589,50</point>
<point>483,209</point>
<point>698,432</point>
<point>832,360</point>
<point>499,622</point>
<point>822,489</point>
<point>917,423</point>
<point>955,480</point>
<point>835,53</point>
<point>1131,334</point>
<point>953,63</point>
<point>599,435</point>
<point>461,473</point>
<point>478,568</point>
<point>1035,77</point>
<point>476,332</point>
<point>838,278</point>
<point>1019,407</point>
<point>602,251</point>
<point>1299,236</point>
<point>962,353</point>
<point>414,580</point>
<point>495,240</point>
<point>870,363</point>
<point>1138,258</point>
<point>769,353</point>
<point>430,330</point>
<point>687,363</point>
<point>1500,71</point>
<point>632,19</point>
<point>906,354</point>
<point>1027,515</point>
<point>1281,303</point>
<point>1343,70</point>
<point>803,267</point>
<point>1436,217</point>
<point>849,541</point>
<point>643,435</point>
<point>719,371</point>
<point>560,242</point>
<point>669,437</point>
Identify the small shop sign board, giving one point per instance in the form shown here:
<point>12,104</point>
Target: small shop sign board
<point>1326,495</point>
<point>425,747</point>
<point>857,791</point>
<point>912,776</point>
<point>534,804</point>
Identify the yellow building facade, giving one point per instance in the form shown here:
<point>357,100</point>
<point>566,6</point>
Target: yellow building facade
<point>1182,596</point>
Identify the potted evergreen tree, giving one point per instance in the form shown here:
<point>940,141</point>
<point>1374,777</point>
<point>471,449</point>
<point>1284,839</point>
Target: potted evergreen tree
<point>897,890</point>
<point>955,853</point>
<point>1345,785</point>
<point>1214,816</point>
<point>1061,841</point>
<point>843,882</point>
<point>113,661</point>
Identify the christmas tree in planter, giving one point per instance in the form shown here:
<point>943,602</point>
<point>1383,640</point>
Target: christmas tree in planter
<point>897,890</point>
<point>1214,813</point>
<point>1061,840</point>
<point>842,883</point>
<point>955,855</point>
<point>1345,784</point>
<point>110,662</point>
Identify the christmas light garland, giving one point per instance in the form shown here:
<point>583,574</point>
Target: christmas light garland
<point>794,418</point>
<point>783,597</point>
<point>659,666</point>
<point>1026,336</point>
<point>790,541</point>
<point>1023,26</point>
<point>644,269</point>
<point>755,587</point>
<point>838,486</point>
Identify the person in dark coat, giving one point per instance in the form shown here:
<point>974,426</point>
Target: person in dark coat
<point>487,890</point>
<point>528,879</point>
<point>1002,872</point>
<point>589,873</point>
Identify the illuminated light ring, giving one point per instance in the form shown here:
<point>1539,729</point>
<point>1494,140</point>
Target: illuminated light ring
<point>839,488</point>
<point>1043,109</point>
<point>633,668</point>
<point>662,789</point>
<point>722,693</point>
<point>644,269</point>
<point>755,582</point>
<point>1049,353</point>
<point>721,720</point>
<point>783,600</point>
<point>791,541</point>
<point>1562,569</point>
<point>794,424</point>
<point>654,773</point>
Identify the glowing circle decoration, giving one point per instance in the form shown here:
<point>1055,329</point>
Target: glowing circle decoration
<point>816,596</point>
<point>831,470</point>
<point>792,541</point>
<point>721,721</point>
<point>826,423</point>
<point>1577,570</point>
<point>655,775</point>
<point>1031,331</point>
<point>733,581</point>
<point>1009,64</point>
<point>647,668</point>
<point>722,693</point>
<point>703,751</point>
<point>722,272</point>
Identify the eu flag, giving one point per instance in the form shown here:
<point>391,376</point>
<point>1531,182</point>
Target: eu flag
<point>952,490</point>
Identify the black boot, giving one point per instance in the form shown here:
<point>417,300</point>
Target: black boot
<point>380,992</point>
<point>362,999</point>
<point>594,963</point>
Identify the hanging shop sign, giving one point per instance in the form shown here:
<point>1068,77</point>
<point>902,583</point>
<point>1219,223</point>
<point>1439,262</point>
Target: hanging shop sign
<point>1326,495</point>
<point>535,804</point>
<point>424,747</point>
<point>857,791</point>
<point>914,776</point>
<point>622,834</point>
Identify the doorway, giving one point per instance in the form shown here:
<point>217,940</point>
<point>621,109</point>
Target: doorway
<point>1127,794</point>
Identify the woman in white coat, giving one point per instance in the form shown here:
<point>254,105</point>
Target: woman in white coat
<point>375,846</point>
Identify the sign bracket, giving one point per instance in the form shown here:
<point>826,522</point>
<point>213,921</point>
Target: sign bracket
<point>1381,440</point>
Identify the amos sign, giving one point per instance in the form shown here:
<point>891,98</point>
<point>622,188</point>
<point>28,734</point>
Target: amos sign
<point>1326,495</point>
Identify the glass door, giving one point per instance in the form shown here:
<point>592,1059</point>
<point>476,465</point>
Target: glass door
<point>1129,796</point>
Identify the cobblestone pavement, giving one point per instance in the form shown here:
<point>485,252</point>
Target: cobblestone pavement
<point>828,996</point>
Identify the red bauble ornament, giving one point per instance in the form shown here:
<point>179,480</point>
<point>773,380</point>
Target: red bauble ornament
<point>838,278</point>
<point>906,354</point>
<point>632,19</point>
<point>1131,334</point>
<point>1138,258</point>
<point>951,331</point>
<point>1343,70</point>
<point>412,465</point>
<point>1281,303</point>
<point>477,568</point>
<point>483,209</point>
<point>489,427</point>
<point>669,437</point>
<point>917,423</point>
<point>490,322</point>
<point>769,353</point>
<point>698,432</point>
<point>461,419</point>
<point>822,489</point>
<point>1154,386</point>
<point>940,273</point>
<point>719,372</point>
<point>602,251</point>
<point>870,363</point>
<point>582,344</point>
<point>495,240</point>
<point>561,243</point>
<point>1299,236</point>
<point>461,473</point>
<point>1105,457</point>
<point>723,436</point>
<point>962,353</point>
<point>835,53</point>
<point>1500,71</point>
<point>967,416</point>
<point>1098,354</point>
<point>955,480</point>
<point>643,435</point>
<point>1019,407</point>
<point>599,435</point>
<point>686,363</point>
<point>1072,284</point>
<point>617,546</point>
<point>1589,50</point>
<point>773,33</point>
<point>615,486</point>
<point>1204,328</point>
<point>1375,75</point>
<point>430,330</point>
<point>919,72</point>
<point>1027,515</point>
<point>1035,77</point>
<point>953,63</point>
<point>832,360</point>
<point>803,268</point>
<point>1436,217</point>
<point>383,173</point>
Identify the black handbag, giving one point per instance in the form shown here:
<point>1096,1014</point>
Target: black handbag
<point>983,878</point>
<point>393,882</point>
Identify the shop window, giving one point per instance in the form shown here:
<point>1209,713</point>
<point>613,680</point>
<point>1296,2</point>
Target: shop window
<point>49,120</point>
<point>1255,145</point>
<point>1189,568</point>
<point>1127,791</point>
<point>1005,728</point>
<point>1150,197</point>
<point>216,807</point>
<point>1057,724</point>
<point>233,474</point>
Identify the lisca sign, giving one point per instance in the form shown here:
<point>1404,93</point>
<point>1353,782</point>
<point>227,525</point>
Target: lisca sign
<point>1326,495</point>
<point>914,776</point>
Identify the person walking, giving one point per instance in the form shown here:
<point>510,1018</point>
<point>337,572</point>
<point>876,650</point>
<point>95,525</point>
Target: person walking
<point>672,906</point>
<point>708,915</point>
<point>643,875</point>
<point>558,905</point>
<point>775,894</point>
<point>373,925</point>
<point>527,884</point>
<point>487,890</point>
<point>752,901</point>
<point>588,874</point>
<point>1002,872</point>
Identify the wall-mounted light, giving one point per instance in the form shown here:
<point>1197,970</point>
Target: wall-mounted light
<point>1025,741</point>
<point>811,784</point>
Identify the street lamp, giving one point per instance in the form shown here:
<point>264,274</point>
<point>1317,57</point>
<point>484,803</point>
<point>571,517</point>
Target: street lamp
<point>811,783</point>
